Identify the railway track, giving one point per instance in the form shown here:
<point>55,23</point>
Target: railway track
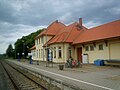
<point>23,80</point>
<point>5,82</point>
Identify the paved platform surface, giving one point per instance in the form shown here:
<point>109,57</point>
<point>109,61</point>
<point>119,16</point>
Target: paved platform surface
<point>89,77</point>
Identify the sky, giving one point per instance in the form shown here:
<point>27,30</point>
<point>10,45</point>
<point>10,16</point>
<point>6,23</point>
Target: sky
<point>21,17</point>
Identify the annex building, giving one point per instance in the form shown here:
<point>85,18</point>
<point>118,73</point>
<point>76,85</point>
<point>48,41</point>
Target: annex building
<point>59,42</point>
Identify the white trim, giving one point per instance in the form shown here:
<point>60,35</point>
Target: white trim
<point>81,81</point>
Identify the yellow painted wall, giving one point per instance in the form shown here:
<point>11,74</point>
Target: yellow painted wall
<point>111,51</point>
<point>57,59</point>
<point>39,46</point>
<point>33,54</point>
<point>64,47</point>
<point>114,48</point>
<point>97,54</point>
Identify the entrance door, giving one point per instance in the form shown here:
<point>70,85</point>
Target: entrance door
<point>85,58</point>
<point>115,51</point>
<point>79,54</point>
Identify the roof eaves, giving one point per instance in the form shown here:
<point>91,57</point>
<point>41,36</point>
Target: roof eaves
<point>96,40</point>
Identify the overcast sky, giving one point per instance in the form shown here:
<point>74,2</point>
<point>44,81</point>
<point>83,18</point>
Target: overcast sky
<point>22,17</point>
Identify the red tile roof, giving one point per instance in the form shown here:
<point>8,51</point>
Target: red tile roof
<point>67,34</point>
<point>33,47</point>
<point>52,29</point>
<point>101,32</point>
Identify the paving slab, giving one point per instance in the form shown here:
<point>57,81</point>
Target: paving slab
<point>88,77</point>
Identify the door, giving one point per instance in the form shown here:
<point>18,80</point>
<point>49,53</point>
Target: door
<point>115,51</point>
<point>79,54</point>
<point>85,58</point>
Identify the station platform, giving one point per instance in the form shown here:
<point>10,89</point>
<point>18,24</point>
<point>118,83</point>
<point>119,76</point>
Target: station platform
<point>89,77</point>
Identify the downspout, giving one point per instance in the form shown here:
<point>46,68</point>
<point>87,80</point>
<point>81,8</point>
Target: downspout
<point>43,54</point>
<point>63,54</point>
<point>46,48</point>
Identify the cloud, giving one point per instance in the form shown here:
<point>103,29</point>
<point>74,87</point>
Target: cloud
<point>91,24</point>
<point>65,17</point>
<point>21,17</point>
<point>11,32</point>
<point>114,11</point>
<point>38,12</point>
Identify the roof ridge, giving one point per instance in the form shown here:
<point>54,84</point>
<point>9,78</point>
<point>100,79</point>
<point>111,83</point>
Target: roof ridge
<point>69,32</point>
<point>62,35</point>
<point>102,32</point>
<point>80,32</point>
<point>62,23</point>
<point>51,24</point>
<point>78,36</point>
<point>60,29</point>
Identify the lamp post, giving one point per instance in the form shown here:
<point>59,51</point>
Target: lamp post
<point>23,49</point>
<point>18,57</point>
<point>46,50</point>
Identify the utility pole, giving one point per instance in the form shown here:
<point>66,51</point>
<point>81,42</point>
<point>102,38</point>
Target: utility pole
<point>23,48</point>
<point>46,50</point>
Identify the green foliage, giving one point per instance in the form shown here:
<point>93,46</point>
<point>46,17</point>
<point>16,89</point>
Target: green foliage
<point>10,51</point>
<point>2,56</point>
<point>23,44</point>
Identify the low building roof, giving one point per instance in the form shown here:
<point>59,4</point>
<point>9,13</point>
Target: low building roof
<point>67,34</point>
<point>33,48</point>
<point>101,32</point>
<point>52,29</point>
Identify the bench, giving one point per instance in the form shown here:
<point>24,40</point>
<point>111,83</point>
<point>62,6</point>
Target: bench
<point>113,62</point>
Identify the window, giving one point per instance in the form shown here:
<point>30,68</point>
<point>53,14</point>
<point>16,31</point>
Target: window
<point>39,40</point>
<point>86,48</point>
<point>42,39</point>
<point>59,52</point>
<point>34,53</point>
<point>91,48</point>
<point>36,42</point>
<point>54,52</point>
<point>41,53</point>
<point>37,53</point>
<point>69,51</point>
<point>101,47</point>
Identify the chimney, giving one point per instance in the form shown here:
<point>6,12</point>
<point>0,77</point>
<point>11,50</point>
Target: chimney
<point>80,23</point>
<point>56,21</point>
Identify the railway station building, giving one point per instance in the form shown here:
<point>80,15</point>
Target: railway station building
<point>59,42</point>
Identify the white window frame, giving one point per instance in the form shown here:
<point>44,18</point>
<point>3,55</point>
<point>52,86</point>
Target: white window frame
<point>91,48</point>
<point>59,51</point>
<point>54,52</point>
<point>99,48</point>
<point>87,48</point>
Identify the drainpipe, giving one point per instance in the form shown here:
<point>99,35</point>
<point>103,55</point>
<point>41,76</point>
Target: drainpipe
<point>43,54</point>
<point>63,53</point>
<point>46,49</point>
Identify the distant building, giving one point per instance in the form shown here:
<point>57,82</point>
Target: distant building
<point>59,42</point>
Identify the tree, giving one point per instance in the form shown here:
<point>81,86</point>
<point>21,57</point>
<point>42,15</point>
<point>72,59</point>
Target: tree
<point>10,51</point>
<point>23,47</point>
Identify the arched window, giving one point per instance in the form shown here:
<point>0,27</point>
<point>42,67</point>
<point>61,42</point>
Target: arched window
<point>59,52</point>
<point>54,52</point>
<point>69,51</point>
<point>41,53</point>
